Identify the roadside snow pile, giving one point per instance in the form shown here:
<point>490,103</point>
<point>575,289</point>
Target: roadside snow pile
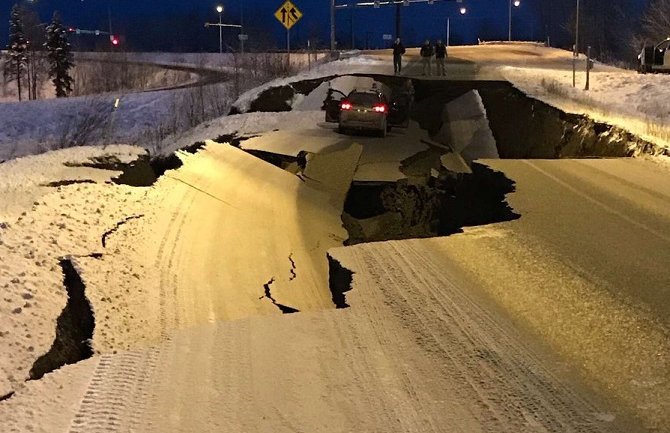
<point>23,181</point>
<point>45,225</point>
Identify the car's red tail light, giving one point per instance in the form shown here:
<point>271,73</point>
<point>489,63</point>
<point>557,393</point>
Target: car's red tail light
<point>379,108</point>
<point>345,105</point>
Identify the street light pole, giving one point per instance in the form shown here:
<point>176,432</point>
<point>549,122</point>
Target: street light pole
<point>463,10</point>
<point>575,52</point>
<point>517,3</point>
<point>242,27</point>
<point>448,38</point>
<point>332,27</point>
<point>509,27</point>
<point>577,31</point>
<point>219,9</point>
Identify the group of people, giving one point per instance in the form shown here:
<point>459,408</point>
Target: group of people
<point>439,51</point>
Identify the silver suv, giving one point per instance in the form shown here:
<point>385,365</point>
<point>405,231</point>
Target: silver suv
<point>364,110</point>
<point>371,106</point>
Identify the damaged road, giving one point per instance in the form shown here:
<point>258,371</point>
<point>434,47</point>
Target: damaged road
<point>268,295</point>
<point>506,316</point>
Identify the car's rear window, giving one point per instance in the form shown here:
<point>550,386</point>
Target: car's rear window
<point>364,99</point>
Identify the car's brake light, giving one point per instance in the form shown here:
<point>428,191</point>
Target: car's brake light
<point>379,108</point>
<point>345,105</point>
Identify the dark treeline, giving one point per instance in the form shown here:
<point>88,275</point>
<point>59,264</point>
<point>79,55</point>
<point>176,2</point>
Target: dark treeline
<point>615,29</point>
<point>610,28</point>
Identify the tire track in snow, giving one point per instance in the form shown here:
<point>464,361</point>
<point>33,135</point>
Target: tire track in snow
<point>117,393</point>
<point>505,384</point>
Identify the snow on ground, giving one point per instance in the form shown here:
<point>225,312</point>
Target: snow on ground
<point>33,127</point>
<point>145,118</point>
<point>208,60</point>
<point>142,78</point>
<point>40,225</point>
<point>24,180</point>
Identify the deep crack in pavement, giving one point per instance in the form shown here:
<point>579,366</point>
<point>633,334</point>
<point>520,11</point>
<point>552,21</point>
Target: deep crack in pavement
<point>285,309</point>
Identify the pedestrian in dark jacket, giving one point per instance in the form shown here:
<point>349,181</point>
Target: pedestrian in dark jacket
<point>398,51</point>
<point>426,55</point>
<point>440,56</point>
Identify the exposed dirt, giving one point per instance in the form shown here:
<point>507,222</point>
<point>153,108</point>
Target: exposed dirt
<point>442,206</point>
<point>526,128</point>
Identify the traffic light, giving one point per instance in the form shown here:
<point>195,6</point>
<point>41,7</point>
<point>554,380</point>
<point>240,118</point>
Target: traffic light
<point>114,40</point>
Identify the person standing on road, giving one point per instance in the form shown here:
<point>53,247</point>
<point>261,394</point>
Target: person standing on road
<point>426,54</point>
<point>398,51</point>
<point>440,56</point>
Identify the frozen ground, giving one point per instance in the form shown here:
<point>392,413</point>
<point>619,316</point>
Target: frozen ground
<point>39,224</point>
<point>188,295</point>
<point>189,288</point>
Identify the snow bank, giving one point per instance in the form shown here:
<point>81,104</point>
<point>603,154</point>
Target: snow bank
<point>33,127</point>
<point>41,226</point>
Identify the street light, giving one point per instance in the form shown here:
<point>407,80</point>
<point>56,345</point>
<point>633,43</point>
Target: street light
<point>463,10</point>
<point>516,4</point>
<point>219,9</point>
<point>575,51</point>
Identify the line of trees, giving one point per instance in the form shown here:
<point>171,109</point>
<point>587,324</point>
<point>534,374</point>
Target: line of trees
<point>654,24</point>
<point>616,31</point>
<point>35,51</point>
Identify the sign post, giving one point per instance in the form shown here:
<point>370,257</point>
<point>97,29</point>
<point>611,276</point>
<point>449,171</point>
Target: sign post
<point>288,14</point>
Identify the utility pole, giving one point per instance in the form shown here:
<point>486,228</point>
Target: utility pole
<point>219,9</point>
<point>241,27</point>
<point>448,38</point>
<point>516,3</point>
<point>577,31</point>
<point>332,27</point>
<point>397,20</point>
<point>353,7</point>
<point>109,16</point>
<point>220,25</point>
<point>576,49</point>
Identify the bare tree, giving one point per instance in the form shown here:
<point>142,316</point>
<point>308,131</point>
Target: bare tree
<point>655,21</point>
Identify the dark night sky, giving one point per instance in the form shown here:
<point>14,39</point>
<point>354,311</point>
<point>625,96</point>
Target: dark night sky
<point>178,24</point>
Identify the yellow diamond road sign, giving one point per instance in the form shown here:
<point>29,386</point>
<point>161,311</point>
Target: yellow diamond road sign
<point>288,14</point>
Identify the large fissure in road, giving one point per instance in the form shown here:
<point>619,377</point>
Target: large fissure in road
<point>74,327</point>
<point>340,281</point>
<point>440,207</point>
<point>526,128</point>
